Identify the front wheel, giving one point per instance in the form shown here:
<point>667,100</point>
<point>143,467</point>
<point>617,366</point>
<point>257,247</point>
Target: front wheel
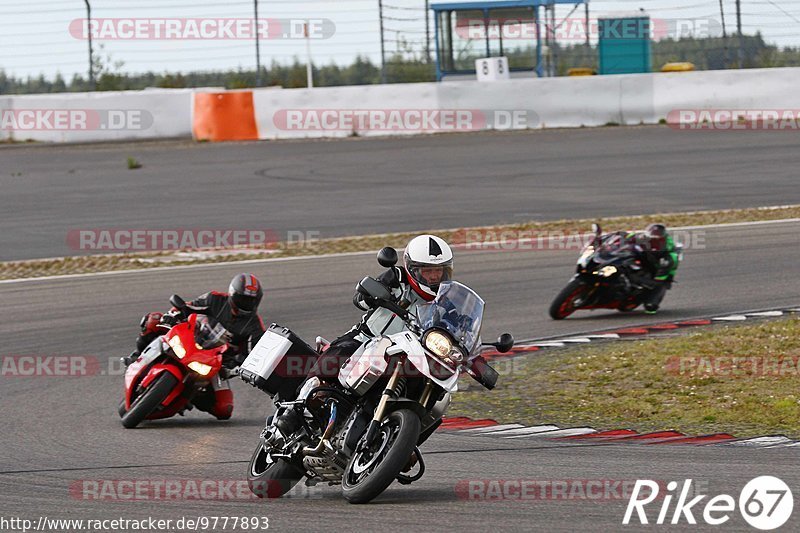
<point>568,300</point>
<point>372,470</point>
<point>151,398</point>
<point>271,478</point>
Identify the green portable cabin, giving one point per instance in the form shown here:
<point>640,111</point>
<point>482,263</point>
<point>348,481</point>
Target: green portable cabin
<point>624,44</point>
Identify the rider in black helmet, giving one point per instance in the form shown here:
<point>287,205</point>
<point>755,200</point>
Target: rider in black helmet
<point>236,310</point>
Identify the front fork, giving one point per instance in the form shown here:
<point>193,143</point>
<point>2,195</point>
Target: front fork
<point>387,395</point>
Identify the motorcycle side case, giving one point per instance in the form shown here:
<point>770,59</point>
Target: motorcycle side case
<point>279,363</point>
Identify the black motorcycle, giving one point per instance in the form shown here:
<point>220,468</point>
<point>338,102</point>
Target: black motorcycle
<point>609,275</point>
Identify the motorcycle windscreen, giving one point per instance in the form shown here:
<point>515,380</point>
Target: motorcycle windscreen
<point>209,333</point>
<point>279,363</point>
<point>456,309</point>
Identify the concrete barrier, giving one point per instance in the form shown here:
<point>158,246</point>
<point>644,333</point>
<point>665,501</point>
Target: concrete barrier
<point>397,109</point>
<point>98,116</point>
<point>540,103</point>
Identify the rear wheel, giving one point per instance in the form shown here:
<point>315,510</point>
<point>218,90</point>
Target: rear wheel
<point>372,470</point>
<point>151,398</point>
<point>271,478</point>
<point>569,299</point>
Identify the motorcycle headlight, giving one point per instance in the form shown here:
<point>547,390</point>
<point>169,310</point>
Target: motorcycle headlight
<point>442,347</point>
<point>439,343</point>
<point>200,368</point>
<point>607,271</point>
<point>177,347</point>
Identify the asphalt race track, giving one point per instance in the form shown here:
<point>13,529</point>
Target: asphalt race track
<point>354,186</point>
<point>58,431</point>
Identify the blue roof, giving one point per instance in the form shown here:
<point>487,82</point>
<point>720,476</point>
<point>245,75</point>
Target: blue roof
<point>458,6</point>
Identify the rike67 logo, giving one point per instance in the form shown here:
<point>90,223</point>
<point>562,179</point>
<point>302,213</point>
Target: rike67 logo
<point>765,502</point>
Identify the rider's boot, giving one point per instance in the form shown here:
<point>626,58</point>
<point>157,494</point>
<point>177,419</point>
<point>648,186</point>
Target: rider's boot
<point>291,419</point>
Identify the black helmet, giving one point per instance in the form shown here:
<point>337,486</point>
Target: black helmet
<point>244,294</point>
<point>657,236</point>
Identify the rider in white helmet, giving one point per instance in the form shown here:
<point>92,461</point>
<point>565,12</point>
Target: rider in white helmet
<point>427,262</point>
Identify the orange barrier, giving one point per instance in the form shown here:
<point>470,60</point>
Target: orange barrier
<point>227,116</point>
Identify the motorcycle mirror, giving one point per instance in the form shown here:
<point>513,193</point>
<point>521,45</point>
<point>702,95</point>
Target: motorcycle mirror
<point>505,342</point>
<point>387,257</point>
<point>177,302</point>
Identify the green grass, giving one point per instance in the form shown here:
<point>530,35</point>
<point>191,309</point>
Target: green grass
<point>133,163</point>
<point>641,385</point>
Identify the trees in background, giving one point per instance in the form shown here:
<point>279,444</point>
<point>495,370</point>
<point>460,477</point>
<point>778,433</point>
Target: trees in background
<point>707,54</point>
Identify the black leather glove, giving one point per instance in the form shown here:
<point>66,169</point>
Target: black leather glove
<point>390,278</point>
<point>171,318</point>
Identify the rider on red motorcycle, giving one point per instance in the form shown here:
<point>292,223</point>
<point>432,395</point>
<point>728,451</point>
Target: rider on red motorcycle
<point>236,311</point>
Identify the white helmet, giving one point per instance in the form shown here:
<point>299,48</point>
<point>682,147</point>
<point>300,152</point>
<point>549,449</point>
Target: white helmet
<point>428,261</point>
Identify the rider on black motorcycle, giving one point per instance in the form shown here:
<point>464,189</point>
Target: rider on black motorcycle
<point>660,258</point>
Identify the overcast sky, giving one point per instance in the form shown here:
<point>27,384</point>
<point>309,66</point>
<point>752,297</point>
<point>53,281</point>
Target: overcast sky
<point>37,40</point>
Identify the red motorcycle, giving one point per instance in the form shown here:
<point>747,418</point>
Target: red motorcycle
<point>178,371</point>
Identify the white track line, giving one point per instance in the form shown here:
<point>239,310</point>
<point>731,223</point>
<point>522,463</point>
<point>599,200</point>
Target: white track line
<point>793,444</point>
<point>346,254</point>
<point>525,431</point>
<point>548,344</point>
<point>731,318</point>
<point>759,442</point>
<point>501,427</point>
<point>766,314</point>
<point>184,267</point>
<point>566,432</point>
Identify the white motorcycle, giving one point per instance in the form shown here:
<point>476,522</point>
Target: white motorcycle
<point>391,396</point>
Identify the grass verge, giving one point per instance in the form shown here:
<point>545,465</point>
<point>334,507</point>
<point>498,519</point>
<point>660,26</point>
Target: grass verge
<point>681,383</point>
<point>117,261</point>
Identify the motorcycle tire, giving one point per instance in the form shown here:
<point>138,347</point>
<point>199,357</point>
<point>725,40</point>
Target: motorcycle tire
<point>563,306</point>
<point>405,428</point>
<point>271,479</point>
<point>147,402</point>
